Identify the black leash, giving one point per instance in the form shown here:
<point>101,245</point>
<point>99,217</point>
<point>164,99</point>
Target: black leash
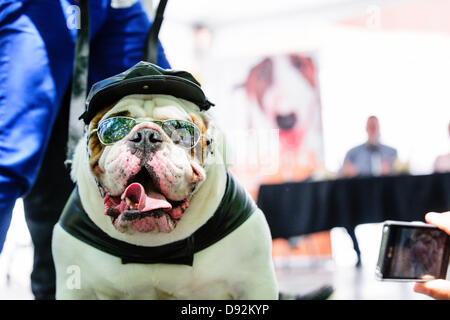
<point>81,66</point>
<point>79,81</point>
<point>151,50</point>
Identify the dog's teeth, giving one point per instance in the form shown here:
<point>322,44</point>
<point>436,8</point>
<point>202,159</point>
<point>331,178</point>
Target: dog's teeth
<point>128,201</point>
<point>170,222</point>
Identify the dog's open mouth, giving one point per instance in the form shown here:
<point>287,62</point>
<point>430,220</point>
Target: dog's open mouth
<point>143,207</point>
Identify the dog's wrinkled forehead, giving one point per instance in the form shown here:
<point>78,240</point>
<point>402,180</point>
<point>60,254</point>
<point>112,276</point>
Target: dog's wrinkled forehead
<point>153,106</point>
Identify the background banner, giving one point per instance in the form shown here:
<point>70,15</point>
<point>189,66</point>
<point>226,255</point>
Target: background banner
<point>269,107</point>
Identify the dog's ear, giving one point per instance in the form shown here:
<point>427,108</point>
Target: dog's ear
<point>201,149</point>
<point>94,145</point>
<point>214,148</point>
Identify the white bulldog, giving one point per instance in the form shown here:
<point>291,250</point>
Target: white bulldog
<point>149,191</point>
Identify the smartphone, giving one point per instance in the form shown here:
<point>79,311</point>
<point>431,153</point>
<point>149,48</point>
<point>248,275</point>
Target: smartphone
<point>412,251</point>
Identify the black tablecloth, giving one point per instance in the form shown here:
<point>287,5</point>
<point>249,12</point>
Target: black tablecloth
<point>297,208</point>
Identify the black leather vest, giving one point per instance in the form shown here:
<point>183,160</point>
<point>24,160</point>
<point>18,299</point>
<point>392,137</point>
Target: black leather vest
<point>234,209</point>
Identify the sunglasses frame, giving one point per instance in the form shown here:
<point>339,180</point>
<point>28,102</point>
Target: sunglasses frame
<point>138,121</point>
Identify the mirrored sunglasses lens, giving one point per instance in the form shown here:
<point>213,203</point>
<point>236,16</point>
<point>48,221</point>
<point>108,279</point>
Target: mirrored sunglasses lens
<point>182,133</point>
<point>115,129</point>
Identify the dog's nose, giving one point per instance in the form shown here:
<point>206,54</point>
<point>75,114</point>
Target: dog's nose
<point>146,138</point>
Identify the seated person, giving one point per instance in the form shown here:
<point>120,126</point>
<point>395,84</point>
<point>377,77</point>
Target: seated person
<point>370,158</point>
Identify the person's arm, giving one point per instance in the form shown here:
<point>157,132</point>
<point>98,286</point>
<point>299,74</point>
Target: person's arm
<point>119,43</point>
<point>28,99</point>
<point>349,169</point>
<point>437,289</point>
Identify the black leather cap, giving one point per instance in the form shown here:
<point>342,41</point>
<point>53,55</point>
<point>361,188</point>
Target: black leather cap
<point>144,78</point>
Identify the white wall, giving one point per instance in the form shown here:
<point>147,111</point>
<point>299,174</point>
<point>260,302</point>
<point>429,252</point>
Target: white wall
<point>402,77</point>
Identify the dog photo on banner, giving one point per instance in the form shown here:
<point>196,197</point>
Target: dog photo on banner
<point>273,117</point>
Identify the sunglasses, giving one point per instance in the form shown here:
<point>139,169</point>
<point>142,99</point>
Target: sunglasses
<point>181,132</point>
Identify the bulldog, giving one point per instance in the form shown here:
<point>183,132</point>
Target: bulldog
<point>156,214</point>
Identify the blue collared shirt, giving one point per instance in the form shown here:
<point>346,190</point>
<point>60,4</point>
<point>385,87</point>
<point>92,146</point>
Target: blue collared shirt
<point>368,159</point>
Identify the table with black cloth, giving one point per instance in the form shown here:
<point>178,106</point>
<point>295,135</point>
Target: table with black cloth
<point>298,208</point>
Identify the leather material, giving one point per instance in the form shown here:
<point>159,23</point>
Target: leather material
<point>144,78</point>
<point>234,209</point>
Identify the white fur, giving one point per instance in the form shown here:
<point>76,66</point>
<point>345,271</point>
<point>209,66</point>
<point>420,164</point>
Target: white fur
<point>237,267</point>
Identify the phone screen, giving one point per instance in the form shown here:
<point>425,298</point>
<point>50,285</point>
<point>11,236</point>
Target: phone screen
<point>417,253</point>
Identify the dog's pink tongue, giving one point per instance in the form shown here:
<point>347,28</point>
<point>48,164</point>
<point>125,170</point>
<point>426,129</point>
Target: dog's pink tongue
<point>146,202</point>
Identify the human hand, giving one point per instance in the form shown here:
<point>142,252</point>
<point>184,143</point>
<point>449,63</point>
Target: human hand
<point>437,289</point>
<point>386,168</point>
<point>440,220</point>
<point>349,169</point>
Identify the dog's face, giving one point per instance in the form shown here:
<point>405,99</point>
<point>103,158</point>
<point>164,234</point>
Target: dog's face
<point>284,89</point>
<point>147,179</point>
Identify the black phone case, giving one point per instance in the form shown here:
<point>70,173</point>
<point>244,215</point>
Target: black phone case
<point>386,254</point>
